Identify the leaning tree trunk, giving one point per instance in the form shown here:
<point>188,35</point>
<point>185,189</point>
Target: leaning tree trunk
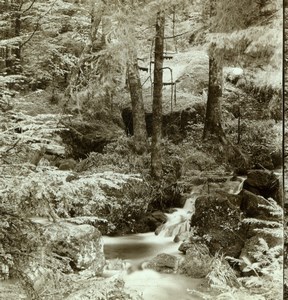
<point>213,124</point>
<point>139,125</point>
<point>156,160</point>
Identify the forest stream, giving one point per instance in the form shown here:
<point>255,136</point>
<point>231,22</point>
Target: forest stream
<point>136,249</point>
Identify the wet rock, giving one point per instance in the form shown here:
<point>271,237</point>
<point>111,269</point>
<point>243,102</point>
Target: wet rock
<point>164,263</point>
<point>181,236</point>
<point>252,205</point>
<point>154,220</point>
<point>82,245</point>
<point>185,246</point>
<point>159,216</point>
<point>197,261</point>
<point>264,183</point>
<point>217,219</point>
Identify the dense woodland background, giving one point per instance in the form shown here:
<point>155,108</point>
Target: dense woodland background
<point>114,110</point>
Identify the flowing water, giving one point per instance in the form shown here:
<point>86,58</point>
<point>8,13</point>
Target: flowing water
<point>138,248</point>
<point>135,249</point>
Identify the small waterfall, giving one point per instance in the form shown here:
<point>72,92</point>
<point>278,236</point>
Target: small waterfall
<point>178,222</point>
<point>234,186</point>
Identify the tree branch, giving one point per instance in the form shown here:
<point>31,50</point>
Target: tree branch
<point>13,146</point>
<point>30,6</point>
<point>37,24</point>
<point>174,36</point>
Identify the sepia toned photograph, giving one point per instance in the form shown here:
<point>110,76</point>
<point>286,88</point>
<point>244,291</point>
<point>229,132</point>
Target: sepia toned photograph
<point>143,150</point>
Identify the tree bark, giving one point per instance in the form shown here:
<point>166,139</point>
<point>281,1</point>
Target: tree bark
<point>139,125</point>
<point>17,29</point>
<point>213,123</point>
<point>156,159</point>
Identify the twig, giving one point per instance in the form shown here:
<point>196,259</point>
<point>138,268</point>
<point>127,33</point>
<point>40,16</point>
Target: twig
<point>13,146</point>
<point>37,24</point>
<point>24,11</point>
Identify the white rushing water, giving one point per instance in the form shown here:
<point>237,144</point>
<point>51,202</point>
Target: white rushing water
<point>136,249</point>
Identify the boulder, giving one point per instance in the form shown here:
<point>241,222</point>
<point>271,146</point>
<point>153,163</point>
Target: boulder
<point>84,137</point>
<point>159,216</point>
<point>100,223</point>
<point>164,263</point>
<point>217,220</point>
<point>181,236</point>
<point>154,220</point>
<point>185,246</point>
<point>67,164</point>
<point>264,183</point>
<point>197,261</point>
<point>252,204</point>
<point>233,74</point>
<point>81,245</point>
<point>99,289</point>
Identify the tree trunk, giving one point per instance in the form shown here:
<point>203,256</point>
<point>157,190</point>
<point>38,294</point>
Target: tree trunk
<point>139,125</point>
<point>17,28</point>
<point>213,118</point>
<point>156,160</point>
<point>213,109</point>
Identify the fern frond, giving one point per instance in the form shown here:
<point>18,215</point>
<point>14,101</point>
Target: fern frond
<point>267,223</point>
<point>275,232</point>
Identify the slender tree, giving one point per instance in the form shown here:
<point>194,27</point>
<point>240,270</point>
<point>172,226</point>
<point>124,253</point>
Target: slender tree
<point>213,120</point>
<point>156,161</point>
<point>138,113</point>
<point>213,108</point>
